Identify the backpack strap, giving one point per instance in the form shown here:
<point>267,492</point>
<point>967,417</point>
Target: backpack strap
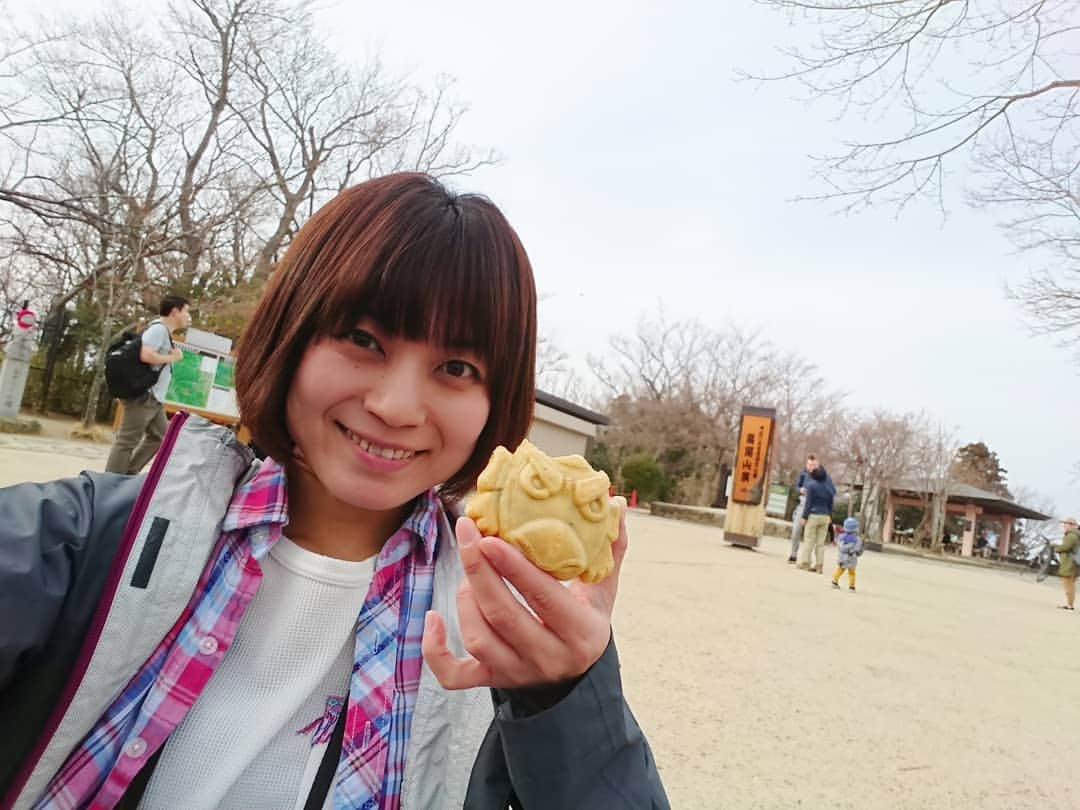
<point>172,344</point>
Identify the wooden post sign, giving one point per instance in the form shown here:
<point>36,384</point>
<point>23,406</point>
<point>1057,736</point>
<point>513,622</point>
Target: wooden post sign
<point>745,519</point>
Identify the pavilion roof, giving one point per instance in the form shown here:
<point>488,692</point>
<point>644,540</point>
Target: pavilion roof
<point>965,493</point>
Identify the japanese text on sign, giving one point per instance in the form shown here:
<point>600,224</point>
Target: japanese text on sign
<point>753,458</point>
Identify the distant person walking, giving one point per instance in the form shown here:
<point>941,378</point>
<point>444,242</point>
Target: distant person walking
<point>1068,550</point>
<point>796,523</point>
<point>143,423</point>
<point>849,547</point>
<point>816,517</point>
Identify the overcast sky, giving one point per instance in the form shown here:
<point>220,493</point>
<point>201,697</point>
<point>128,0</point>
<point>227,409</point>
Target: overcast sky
<point>639,170</point>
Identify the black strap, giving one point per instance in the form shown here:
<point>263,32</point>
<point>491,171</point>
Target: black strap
<point>172,343</point>
<point>320,788</point>
<point>134,793</point>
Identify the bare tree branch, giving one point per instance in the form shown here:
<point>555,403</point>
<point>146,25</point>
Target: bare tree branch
<point>934,86</point>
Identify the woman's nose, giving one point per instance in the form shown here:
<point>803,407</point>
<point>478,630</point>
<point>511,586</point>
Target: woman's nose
<point>397,395</point>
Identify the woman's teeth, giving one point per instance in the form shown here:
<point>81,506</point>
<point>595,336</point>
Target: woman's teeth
<point>375,450</point>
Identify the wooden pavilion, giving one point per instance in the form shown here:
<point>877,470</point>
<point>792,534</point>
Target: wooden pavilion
<point>967,501</point>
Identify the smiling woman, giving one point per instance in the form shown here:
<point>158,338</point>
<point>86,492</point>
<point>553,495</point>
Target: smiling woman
<point>317,629</point>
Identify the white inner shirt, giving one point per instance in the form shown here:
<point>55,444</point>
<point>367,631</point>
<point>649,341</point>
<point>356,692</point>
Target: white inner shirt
<point>240,745</point>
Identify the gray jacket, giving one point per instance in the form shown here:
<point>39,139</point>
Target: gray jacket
<point>94,571</point>
<point>849,547</point>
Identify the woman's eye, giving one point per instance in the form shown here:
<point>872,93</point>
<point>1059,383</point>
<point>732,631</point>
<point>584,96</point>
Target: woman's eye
<point>364,339</point>
<point>461,369</point>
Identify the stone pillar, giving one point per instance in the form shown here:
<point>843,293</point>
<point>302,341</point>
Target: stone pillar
<point>14,372</point>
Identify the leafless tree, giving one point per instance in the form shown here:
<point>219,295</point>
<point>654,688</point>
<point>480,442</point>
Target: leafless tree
<point>933,459</point>
<point>927,86</point>
<point>99,157</point>
<point>140,153</point>
<point>661,359</point>
<point>676,389</point>
<point>880,450</point>
<point>556,375</point>
<point>810,415</point>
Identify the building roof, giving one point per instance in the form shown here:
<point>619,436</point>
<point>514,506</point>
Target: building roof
<point>567,407</point>
<point>965,493</point>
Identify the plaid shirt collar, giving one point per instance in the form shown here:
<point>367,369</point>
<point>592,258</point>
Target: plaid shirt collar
<point>261,506</point>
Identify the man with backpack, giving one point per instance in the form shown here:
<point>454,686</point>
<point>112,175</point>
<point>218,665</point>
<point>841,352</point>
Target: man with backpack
<point>143,423</point>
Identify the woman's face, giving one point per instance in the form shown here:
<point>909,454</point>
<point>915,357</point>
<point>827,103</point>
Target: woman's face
<point>380,419</point>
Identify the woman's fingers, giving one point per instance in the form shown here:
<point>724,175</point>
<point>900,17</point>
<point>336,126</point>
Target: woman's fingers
<point>561,633</point>
<point>452,672</point>
<point>483,642</point>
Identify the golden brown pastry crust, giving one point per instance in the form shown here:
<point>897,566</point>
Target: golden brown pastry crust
<point>556,511</point>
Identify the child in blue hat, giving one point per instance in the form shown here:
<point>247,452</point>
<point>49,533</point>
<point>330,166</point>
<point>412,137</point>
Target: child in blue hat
<point>849,548</point>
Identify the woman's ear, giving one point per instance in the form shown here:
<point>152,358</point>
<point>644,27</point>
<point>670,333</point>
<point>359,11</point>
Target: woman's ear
<point>299,459</point>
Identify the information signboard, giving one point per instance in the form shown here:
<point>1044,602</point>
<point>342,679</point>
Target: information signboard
<point>203,381</point>
<point>776,505</point>
<point>752,459</point>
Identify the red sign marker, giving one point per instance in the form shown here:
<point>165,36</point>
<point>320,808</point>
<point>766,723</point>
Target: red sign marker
<point>26,318</point>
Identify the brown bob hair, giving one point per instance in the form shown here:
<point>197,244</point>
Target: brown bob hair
<point>424,263</point>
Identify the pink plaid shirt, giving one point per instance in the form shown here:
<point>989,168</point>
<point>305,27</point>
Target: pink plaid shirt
<point>382,691</point>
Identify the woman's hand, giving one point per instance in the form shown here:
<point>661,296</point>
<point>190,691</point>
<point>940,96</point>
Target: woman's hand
<point>509,647</point>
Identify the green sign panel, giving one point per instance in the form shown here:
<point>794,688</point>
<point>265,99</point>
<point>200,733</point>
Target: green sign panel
<point>190,384</point>
<point>223,377</point>
<point>204,381</point>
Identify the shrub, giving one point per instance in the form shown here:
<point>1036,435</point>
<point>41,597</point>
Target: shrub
<point>644,473</point>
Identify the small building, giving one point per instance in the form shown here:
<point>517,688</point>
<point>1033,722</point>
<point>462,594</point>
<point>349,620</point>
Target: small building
<point>967,501</point>
<point>561,428</point>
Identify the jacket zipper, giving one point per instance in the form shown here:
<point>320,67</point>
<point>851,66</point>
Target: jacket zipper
<point>97,624</point>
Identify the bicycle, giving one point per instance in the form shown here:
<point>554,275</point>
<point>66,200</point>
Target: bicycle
<point>1044,558</point>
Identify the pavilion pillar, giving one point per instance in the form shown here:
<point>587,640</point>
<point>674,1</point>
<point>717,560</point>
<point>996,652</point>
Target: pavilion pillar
<point>890,518</point>
<point>969,530</point>
<point>1005,537</point>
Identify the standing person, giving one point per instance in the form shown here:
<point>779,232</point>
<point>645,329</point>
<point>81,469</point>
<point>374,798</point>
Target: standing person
<point>143,422</point>
<point>1068,550</point>
<point>816,517</point>
<point>849,547</point>
<point>796,523</point>
<point>318,629</point>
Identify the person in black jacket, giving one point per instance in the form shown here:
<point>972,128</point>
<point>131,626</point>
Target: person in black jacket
<point>816,518</point>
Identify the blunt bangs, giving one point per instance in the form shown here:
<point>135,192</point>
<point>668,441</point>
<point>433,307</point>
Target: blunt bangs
<point>446,276</point>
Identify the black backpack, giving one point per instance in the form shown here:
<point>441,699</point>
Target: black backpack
<point>126,376</point>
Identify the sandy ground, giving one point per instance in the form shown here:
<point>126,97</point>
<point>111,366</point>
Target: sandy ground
<point>933,686</point>
<point>48,456</point>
